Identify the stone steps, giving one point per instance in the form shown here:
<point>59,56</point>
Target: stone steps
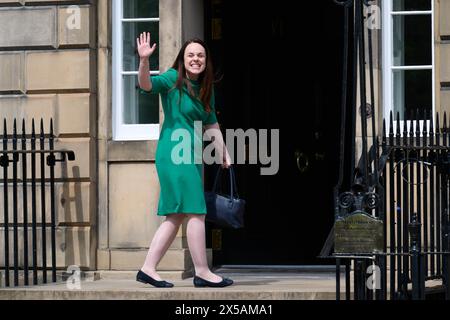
<point>121,285</point>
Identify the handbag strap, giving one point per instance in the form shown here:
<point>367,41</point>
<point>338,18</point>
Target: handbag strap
<point>216,179</point>
<point>233,185</point>
<point>233,182</point>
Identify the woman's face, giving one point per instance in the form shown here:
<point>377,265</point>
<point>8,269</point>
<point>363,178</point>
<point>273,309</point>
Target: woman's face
<point>194,60</point>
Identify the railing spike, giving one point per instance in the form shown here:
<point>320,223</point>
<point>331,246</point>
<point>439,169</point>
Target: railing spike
<point>445,122</point>
<point>42,129</point>
<point>411,128</point>
<point>391,123</point>
<point>438,130</point>
<point>438,126</point>
<point>425,129</point>
<point>417,117</point>
<point>23,126</point>
<point>445,130</point>
<point>14,130</point>
<point>431,124</point>
<point>405,129</point>
<point>417,127</point>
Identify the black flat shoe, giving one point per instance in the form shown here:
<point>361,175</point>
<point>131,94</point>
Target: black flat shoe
<point>145,278</point>
<point>201,283</point>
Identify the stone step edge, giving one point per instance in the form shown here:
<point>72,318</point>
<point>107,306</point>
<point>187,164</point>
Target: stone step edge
<point>62,276</point>
<point>208,294</point>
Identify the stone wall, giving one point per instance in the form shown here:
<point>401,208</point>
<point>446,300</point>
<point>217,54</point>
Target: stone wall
<point>443,69</point>
<point>53,68</point>
<point>48,70</point>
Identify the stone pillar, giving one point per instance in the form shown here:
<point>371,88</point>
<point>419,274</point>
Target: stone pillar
<point>377,71</point>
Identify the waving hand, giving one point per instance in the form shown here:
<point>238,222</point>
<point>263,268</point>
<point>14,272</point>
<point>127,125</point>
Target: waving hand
<point>143,45</point>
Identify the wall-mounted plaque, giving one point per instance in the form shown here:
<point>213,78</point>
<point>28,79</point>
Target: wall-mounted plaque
<point>358,233</point>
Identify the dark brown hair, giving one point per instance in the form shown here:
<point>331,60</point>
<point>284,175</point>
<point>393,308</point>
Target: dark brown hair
<point>205,79</point>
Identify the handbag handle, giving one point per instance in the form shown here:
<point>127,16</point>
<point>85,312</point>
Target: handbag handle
<point>232,182</point>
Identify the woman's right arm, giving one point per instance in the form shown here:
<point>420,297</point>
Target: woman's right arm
<point>145,51</point>
<point>144,71</point>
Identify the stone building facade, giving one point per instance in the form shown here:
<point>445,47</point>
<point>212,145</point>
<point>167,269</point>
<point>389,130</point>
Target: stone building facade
<point>55,64</point>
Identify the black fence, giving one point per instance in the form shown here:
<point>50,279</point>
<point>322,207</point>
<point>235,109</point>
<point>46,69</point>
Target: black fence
<point>17,221</point>
<point>391,228</point>
<point>416,178</point>
<point>414,173</point>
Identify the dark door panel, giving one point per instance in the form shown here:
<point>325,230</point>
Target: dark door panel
<point>281,70</point>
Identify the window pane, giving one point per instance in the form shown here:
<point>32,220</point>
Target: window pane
<point>138,108</point>
<point>140,8</point>
<point>411,5</point>
<point>131,30</point>
<point>412,40</point>
<point>412,91</point>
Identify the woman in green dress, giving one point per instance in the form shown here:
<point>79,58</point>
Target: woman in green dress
<point>187,96</point>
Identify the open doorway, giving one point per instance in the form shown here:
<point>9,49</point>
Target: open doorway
<point>282,67</point>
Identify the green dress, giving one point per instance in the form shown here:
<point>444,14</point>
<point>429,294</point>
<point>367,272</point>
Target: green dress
<point>180,177</point>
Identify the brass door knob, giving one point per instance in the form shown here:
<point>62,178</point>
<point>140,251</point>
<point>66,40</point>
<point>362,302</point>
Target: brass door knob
<point>302,161</point>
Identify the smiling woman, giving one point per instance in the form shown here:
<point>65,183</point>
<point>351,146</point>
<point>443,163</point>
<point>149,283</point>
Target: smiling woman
<point>194,63</point>
<point>186,92</point>
<point>195,59</point>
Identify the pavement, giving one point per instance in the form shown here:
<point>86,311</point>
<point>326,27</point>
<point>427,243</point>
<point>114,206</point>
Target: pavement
<point>248,285</point>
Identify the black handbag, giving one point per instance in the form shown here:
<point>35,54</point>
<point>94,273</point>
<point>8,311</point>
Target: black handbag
<point>225,210</point>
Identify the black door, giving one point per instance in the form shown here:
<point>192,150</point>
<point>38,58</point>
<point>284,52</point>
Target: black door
<point>281,67</point>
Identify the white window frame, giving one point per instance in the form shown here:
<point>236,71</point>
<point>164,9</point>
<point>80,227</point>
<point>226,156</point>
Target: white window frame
<point>120,130</point>
<point>389,68</point>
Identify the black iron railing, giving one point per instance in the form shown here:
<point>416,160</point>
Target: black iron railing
<point>15,158</point>
<point>391,228</point>
<point>416,179</point>
<point>414,172</point>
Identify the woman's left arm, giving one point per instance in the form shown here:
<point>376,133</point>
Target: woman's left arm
<point>213,130</point>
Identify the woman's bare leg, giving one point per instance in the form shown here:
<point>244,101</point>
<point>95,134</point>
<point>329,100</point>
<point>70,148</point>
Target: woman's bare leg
<point>197,246</point>
<point>161,242</point>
